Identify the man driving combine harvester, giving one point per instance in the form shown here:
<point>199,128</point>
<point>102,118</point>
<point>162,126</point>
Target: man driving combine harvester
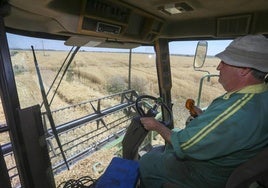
<point>232,130</point>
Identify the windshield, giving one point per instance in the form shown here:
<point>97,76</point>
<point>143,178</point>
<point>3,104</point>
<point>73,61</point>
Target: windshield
<point>85,83</point>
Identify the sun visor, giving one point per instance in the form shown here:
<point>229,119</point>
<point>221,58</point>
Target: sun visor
<point>98,42</point>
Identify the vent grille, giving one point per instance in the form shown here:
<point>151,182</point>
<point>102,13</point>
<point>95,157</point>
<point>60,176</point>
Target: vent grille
<point>107,9</point>
<point>234,25</point>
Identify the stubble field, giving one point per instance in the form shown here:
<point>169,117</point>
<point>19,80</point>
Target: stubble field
<point>92,73</point>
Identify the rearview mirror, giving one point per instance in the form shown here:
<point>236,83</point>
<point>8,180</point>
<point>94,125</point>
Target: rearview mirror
<point>200,54</point>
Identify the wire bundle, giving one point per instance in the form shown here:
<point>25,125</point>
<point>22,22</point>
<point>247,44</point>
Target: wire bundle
<point>83,182</point>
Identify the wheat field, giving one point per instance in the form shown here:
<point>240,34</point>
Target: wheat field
<point>92,72</point>
<point>89,77</point>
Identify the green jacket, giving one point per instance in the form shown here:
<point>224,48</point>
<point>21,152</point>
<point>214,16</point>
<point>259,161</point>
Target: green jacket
<point>204,154</point>
<point>231,130</point>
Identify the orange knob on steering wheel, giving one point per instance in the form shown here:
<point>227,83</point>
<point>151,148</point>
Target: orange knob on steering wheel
<point>190,106</point>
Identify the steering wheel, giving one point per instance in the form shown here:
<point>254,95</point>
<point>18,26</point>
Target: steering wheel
<point>147,106</point>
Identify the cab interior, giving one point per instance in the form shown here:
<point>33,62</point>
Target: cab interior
<point>124,24</point>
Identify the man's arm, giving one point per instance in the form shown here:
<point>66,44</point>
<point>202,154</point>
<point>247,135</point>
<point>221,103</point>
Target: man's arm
<point>151,124</point>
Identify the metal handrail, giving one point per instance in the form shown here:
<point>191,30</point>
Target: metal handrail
<point>208,76</point>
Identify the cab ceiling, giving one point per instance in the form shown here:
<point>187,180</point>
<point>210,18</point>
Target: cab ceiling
<point>136,21</point>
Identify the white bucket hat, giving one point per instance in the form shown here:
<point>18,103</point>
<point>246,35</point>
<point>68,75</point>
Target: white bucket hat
<point>248,51</point>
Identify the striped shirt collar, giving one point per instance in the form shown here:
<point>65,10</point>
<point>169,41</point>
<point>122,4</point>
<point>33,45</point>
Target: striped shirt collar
<point>257,88</point>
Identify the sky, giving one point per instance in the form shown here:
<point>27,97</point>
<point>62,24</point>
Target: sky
<point>184,47</point>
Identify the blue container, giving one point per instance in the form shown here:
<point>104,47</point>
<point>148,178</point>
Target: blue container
<point>121,173</point>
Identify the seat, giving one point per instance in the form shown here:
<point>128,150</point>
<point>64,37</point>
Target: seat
<point>252,172</point>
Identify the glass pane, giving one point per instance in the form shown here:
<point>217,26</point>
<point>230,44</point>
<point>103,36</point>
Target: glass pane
<point>186,81</point>
<point>91,85</point>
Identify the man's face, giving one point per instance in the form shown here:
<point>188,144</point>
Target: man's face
<point>229,76</point>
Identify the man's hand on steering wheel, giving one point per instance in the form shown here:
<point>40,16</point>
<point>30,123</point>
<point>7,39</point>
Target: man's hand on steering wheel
<point>152,124</point>
<point>149,106</point>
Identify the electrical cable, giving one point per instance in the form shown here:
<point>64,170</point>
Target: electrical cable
<point>83,182</point>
